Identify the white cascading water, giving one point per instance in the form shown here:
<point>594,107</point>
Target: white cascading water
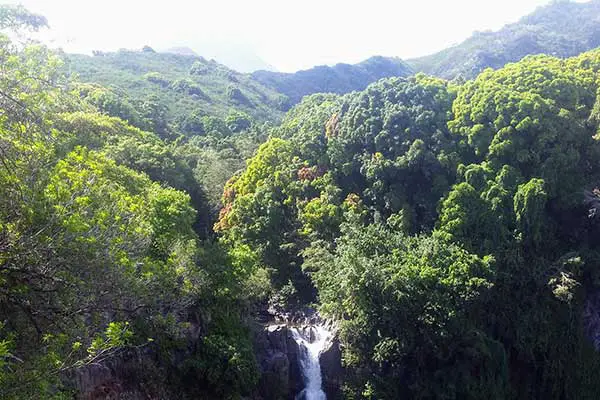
<point>311,341</point>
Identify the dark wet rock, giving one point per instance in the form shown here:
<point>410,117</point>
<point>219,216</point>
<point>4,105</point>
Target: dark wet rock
<point>119,377</point>
<point>277,356</point>
<point>591,318</point>
<point>91,380</point>
<point>331,369</point>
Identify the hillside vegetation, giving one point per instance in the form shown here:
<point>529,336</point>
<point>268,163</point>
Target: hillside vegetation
<point>561,29</point>
<point>104,249</point>
<point>448,230</point>
<point>340,79</point>
<point>183,84</point>
<point>190,85</point>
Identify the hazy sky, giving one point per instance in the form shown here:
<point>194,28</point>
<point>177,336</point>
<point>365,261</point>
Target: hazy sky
<point>289,34</point>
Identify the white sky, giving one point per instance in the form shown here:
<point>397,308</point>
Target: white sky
<point>288,34</point>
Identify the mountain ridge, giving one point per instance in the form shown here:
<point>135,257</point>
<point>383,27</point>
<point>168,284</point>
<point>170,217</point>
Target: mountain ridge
<point>339,78</point>
<point>189,83</point>
<point>561,28</point>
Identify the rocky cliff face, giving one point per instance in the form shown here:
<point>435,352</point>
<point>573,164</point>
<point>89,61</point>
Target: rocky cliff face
<point>591,318</point>
<point>277,356</point>
<point>127,375</point>
<point>332,370</point>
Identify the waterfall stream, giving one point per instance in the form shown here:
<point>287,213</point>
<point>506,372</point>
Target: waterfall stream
<point>311,341</point>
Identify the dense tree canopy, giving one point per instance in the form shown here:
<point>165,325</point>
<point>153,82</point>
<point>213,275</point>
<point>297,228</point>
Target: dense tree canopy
<point>448,230</point>
<point>100,247</point>
<point>444,227</point>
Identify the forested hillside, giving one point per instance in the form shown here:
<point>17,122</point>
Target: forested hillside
<point>450,230</point>
<point>217,116</point>
<point>447,231</point>
<point>341,78</point>
<point>182,84</point>
<point>187,85</point>
<point>561,29</point>
<point>101,250</point>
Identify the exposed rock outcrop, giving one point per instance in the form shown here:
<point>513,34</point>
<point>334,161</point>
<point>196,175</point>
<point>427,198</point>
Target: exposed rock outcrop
<point>591,318</point>
<point>116,378</point>
<point>277,355</point>
<point>332,370</point>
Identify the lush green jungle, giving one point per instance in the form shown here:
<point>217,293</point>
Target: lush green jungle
<point>153,206</point>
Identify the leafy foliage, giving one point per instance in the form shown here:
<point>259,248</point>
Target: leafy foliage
<point>18,17</point>
<point>388,144</point>
<point>403,305</point>
<point>99,254</point>
<point>448,229</point>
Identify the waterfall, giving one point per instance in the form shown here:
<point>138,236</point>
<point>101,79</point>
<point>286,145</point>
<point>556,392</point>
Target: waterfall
<point>311,341</point>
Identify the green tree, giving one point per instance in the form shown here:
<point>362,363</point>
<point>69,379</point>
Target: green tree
<point>403,306</point>
<point>15,17</point>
